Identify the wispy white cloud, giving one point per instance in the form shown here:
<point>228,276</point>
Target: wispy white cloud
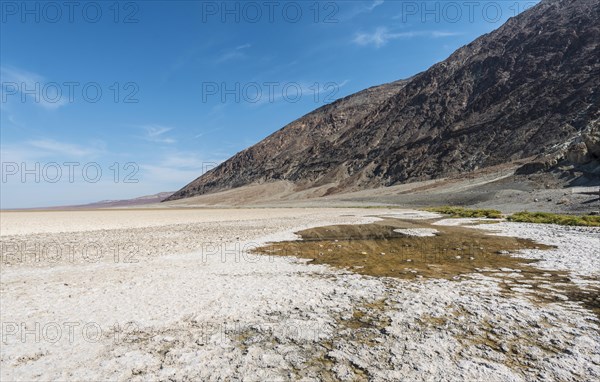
<point>244,46</point>
<point>374,4</point>
<point>14,80</point>
<point>234,54</point>
<point>382,35</point>
<point>176,169</point>
<point>49,149</point>
<point>437,34</point>
<point>203,133</point>
<point>63,148</point>
<point>18,75</point>
<point>156,133</point>
<point>361,7</point>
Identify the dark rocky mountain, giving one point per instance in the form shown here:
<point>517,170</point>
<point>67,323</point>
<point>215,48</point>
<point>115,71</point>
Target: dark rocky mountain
<point>530,89</point>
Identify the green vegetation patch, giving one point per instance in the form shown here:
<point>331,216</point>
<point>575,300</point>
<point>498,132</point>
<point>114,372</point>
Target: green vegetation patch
<point>550,218</point>
<point>460,212</point>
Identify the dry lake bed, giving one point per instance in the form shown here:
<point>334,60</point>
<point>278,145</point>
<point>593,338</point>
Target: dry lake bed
<point>236,294</point>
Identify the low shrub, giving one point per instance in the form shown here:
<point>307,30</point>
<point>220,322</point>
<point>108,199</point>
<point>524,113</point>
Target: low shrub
<point>460,212</point>
<point>550,218</point>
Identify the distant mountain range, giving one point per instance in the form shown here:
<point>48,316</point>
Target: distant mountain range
<point>139,201</point>
<point>529,90</point>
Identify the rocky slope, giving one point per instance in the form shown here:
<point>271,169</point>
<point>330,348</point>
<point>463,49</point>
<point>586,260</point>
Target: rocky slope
<point>526,90</point>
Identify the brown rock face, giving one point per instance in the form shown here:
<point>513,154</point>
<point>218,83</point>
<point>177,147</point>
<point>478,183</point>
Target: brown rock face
<point>517,92</point>
<point>578,153</point>
<point>592,140</point>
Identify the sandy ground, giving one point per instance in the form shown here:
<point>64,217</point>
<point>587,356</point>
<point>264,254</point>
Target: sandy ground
<point>173,295</point>
<point>487,188</point>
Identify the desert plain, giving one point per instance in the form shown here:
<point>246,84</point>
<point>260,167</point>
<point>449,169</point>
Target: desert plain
<point>180,294</point>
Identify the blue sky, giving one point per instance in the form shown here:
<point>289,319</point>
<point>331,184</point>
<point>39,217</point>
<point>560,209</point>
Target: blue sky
<point>163,91</point>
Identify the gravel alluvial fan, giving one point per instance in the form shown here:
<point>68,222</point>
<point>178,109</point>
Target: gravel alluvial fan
<point>520,92</point>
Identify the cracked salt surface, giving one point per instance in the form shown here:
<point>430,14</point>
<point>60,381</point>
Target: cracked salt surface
<point>277,319</point>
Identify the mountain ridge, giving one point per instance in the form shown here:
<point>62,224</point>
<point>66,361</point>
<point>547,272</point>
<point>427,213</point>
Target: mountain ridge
<point>510,94</point>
